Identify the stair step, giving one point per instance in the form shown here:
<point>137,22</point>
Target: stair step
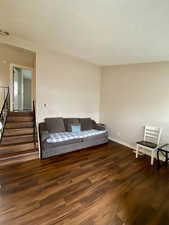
<point>17,132</point>
<point>16,125</point>
<point>11,153</point>
<point>20,114</point>
<point>20,119</point>
<point>19,158</point>
<point>17,139</point>
<point>16,148</point>
<point>17,142</point>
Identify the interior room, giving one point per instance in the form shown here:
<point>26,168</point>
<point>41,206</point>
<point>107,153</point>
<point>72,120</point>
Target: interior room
<point>84,113</point>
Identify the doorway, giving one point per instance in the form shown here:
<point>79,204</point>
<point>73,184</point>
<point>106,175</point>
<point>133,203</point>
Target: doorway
<point>21,88</point>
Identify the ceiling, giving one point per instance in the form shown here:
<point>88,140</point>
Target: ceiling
<point>104,32</point>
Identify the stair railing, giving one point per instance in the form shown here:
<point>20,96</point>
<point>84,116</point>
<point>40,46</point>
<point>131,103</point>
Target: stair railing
<point>4,108</point>
<point>34,124</point>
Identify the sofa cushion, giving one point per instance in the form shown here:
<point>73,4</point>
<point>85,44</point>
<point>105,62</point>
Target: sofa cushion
<point>55,124</point>
<point>94,124</point>
<point>64,136</point>
<point>99,135</point>
<point>86,123</point>
<point>69,122</point>
<point>62,143</point>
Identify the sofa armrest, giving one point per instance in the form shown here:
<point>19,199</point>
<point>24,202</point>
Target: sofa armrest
<point>100,126</point>
<point>44,135</point>
<point>43,132</point>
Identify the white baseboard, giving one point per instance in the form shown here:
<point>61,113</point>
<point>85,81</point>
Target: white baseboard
<point>122,143</point>
<point>132,147</point>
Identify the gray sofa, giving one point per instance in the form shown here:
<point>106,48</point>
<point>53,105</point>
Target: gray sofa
<point>52,130</point>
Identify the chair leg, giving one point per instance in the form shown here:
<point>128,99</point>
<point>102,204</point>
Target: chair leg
<point>137,149</point>
<point>152,157</point>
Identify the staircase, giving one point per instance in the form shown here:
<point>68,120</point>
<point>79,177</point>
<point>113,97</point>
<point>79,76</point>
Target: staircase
<point>17,143</point>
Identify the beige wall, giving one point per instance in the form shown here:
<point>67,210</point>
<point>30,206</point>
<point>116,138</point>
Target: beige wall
<point>34,80</point>
<point>68,86</point>
<point>132,96</point>
<point>10,54</point>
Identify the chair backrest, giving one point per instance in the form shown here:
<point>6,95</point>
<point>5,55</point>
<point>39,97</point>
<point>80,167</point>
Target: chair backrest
<point>152,134</point>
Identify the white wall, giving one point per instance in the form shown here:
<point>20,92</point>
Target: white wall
<point>132,96</point>
<point>68,86</point>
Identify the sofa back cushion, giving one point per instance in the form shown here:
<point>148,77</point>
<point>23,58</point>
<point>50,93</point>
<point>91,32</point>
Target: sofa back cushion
<point>69,122</point>
<point>55,124</point>
<point>86,124</point>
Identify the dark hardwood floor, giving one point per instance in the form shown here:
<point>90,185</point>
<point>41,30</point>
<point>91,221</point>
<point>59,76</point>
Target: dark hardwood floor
<point>103,185</point>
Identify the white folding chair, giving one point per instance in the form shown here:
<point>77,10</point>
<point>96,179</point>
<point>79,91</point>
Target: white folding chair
<point>150,143</point>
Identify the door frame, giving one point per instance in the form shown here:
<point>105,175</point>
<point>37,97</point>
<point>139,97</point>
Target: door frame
<point>12,65</point>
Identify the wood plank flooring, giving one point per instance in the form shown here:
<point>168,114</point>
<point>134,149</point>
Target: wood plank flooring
<point>103,185</point>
